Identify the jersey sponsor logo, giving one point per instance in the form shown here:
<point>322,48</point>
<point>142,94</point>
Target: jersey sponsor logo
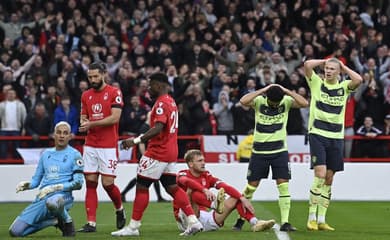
<point>97,108</point>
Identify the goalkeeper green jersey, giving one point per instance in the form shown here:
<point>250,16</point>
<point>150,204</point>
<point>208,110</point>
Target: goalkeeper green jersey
<point>270,126</point>
<point>327,107</point>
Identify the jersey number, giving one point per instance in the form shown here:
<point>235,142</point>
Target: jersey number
<point>175,122</point>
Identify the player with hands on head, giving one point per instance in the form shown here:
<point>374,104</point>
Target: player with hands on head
<point>59,172</point>
<point>158,161</point>
<point>101,108</point>
<point>272,105</point>
<point>326,131</point>
<point>197,182</point>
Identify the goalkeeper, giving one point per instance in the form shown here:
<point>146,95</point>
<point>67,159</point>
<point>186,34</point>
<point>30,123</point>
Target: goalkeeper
<point>59,172</point>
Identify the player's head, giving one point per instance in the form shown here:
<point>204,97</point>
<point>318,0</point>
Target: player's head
<point>158,84</point>
<point>274,96</point>
<point>96,72</point>
<point>195,160</point>
<point>62,134</point>
<point>332,69</point>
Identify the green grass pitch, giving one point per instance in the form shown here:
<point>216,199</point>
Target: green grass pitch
<point>352,220</point>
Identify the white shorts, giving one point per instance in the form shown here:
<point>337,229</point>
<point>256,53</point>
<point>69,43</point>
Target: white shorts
<point>153,169</point>
<point>100,160</point>
<point>208,221</point>
<point>206,218</point>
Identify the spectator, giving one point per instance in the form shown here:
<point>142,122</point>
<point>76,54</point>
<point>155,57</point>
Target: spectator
<point>244,149</point>
<point>13,115</point>
<point>133,117</point>
<point>370,148</point>
<point>223,112</point>
<point>68,113</point>
<point>39,124</point>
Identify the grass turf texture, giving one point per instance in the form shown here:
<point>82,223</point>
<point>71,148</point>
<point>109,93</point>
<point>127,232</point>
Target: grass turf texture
<point>352,220</point>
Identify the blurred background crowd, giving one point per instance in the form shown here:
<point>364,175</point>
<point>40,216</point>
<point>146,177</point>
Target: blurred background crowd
<point>213,51</point>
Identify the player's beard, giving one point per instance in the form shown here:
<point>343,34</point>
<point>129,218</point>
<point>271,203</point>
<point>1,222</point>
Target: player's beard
<point>97,85</point>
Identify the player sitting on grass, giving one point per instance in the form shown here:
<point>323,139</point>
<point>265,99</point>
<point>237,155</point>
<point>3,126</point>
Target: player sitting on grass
<point>59,172</point>
<point>197,181</point>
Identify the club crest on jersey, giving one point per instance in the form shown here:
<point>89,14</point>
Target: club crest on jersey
<point>203,182</point>
<point>118,99</point>
<point>96,108</point>
<point>105,96</point>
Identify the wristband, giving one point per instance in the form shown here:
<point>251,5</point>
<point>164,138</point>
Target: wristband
<point>137,140</point>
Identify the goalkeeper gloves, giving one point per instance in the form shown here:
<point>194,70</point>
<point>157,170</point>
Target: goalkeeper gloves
<point>49,189</point>
<point>23,185</point>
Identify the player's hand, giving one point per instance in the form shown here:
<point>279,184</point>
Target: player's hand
<point>247,205</point>
<point>84,126</point>
<point>22,186</point>
<point>49,189</point>
<point>127,144</point>
<point>209,195</point>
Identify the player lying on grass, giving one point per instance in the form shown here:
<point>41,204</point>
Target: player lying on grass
<point>197,181</point>
<point>59,172</point>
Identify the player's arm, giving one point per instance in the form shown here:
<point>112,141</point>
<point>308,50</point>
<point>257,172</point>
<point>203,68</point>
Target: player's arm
<point>228,189</point>
<point>35,180</point>
<point>85,124</point>
<point>154,131</point>
<point>247,99</point>
<point>110,120</point>
<point>299,101</point>
<point>189,183</point>
<point>310,64</point>
<point>78,177</point>
<point>356,79</point>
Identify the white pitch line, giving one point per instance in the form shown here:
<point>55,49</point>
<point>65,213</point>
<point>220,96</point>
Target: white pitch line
<point>280,235</point>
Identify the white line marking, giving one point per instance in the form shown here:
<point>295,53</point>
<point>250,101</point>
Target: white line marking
<point>280,235</point>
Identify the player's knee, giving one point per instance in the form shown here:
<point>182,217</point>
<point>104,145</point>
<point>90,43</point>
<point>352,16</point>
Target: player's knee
<point>54,203</point>
<point>144,182</point>
<point>91,184</point>
<point>168,181</point>
<point>17,229</point>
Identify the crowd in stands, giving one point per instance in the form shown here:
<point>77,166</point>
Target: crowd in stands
<point>213,51</point>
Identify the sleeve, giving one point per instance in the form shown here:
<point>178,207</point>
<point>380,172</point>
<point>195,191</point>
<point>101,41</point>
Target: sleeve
<point>161,112</point>
<point>78,178</point>
<point>184,180</point>
<point>117,99</point>
<point>314,80</point>
<point>83,105</point>
<point>228,189</point>
<point>39,172</point>
<point>288,101</point>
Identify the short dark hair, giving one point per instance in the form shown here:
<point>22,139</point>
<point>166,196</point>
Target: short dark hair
<point>160,77</point>
<point>275,94</point>
<point>98,65</point>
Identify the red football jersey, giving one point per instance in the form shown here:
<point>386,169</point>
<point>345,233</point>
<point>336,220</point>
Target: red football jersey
<point>163,147</point>
<point>96,105</point>
<point>205,179</point>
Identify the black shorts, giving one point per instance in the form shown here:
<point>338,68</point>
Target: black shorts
<point>326,151</point>
<point>260,164</point>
